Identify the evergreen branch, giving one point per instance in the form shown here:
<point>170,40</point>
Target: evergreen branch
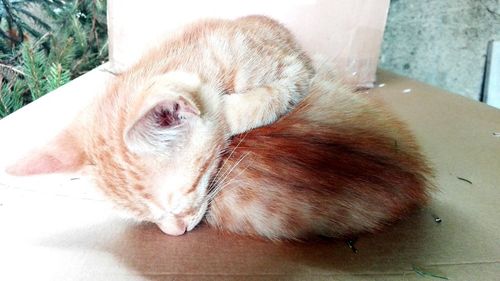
<point>12,21</point>
<point>20,32</point>
<point>8,9</point>
<point>10,97</point>
<point>56,77</point>
<point>4,109</point>
<point>33,62</point>
<point>9,67</point>
<point>64,55</point>
<point>41,39</point>
<point>6,36</point>
<point>50,11</point>
<point>21,27</point>
<point>75,42</point>
<point>35,19</point>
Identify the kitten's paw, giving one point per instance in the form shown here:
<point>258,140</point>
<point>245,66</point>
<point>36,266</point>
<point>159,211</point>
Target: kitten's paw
<point>255,108</point>
<point>234,113</point>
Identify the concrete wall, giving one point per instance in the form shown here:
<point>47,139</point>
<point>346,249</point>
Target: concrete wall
<point>441,42</point>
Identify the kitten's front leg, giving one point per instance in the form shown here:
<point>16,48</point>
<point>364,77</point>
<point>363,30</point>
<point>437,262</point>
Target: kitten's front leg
<point>257,107</point>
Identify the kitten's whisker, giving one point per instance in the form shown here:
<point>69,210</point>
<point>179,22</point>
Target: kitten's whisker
<point>232,168</point>
<point>231,181</point>
<point>212,196</point>
<point>215,178</point>
<point>232,151</point>
<point>223,181</point>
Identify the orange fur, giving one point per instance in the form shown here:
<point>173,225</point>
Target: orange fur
<point>337,165</point>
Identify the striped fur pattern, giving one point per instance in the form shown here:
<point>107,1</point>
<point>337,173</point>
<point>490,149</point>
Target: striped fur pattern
<point>190,132</point>
<point>337,165</point>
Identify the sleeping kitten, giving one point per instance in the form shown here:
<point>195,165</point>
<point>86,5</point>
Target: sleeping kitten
<point>156,137</point>
<point>336,165</point>
<point>158,144</point>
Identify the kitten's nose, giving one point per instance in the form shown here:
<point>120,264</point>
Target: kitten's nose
<point>172,226</point>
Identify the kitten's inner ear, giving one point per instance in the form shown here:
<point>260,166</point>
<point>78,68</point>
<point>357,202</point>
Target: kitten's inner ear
<point>167,114</point>
<point>164,123</point>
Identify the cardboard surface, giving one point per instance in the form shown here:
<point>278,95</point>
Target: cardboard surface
<point>59,228</point>
<point>347,31</point>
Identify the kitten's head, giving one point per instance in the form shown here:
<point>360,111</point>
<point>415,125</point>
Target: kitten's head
<point>153,146</point>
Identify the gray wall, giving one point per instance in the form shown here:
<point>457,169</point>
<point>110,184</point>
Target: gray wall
<point>441,42</point>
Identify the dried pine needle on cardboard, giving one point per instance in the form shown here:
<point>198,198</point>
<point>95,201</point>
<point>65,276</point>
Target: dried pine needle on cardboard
<point>465,180</point>
<point>426,273</point>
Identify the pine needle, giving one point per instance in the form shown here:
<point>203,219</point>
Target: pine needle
<point>424,273</point>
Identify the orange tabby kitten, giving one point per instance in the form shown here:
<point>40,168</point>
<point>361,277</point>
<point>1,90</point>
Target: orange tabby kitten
<point>335,165</point>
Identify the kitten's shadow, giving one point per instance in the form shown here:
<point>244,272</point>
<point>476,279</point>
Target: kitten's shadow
<point>145,250</point>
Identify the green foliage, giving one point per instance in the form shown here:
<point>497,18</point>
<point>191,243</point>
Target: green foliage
<point>46,43</point>
<point>11,96</point>
<point>56,77</point>
<point>34,67</point>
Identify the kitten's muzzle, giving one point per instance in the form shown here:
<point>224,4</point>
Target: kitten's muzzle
<point>178,224</point>
<point>172,226</point>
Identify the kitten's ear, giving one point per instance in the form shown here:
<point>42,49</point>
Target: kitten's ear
<point>163,123</point>
<point>63,154</point>
<point>166,115</point>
